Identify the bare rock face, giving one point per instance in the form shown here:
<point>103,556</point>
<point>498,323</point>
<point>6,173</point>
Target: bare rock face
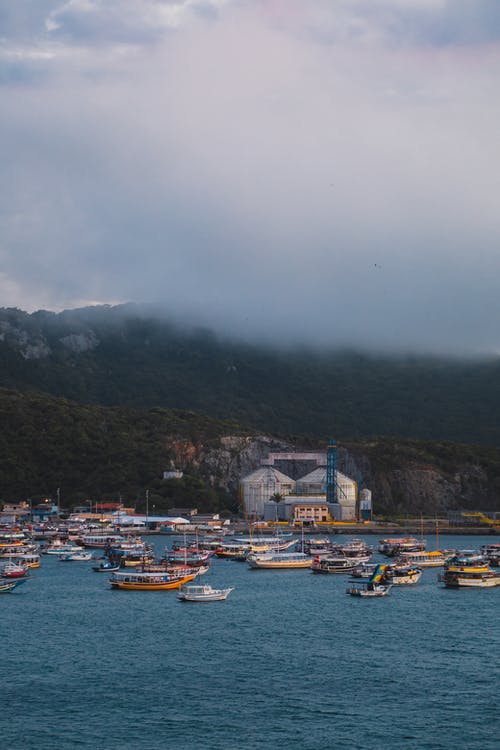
<point>235,457</point>
<point>80,342</point>
<point>30,345</point>
<point>400,486</point>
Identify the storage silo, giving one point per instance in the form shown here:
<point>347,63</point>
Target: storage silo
<point>365,505</point>
<point>260,486</point>
<point>314,483</point>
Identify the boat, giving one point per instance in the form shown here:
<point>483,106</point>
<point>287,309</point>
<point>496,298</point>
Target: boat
<point>371,589</point>
<point>9,585</point>
<point>106,567</point>
<point>203,593</point>
<point>279,560</point>
<point>396,547</point>
<point>336,564</point>
<point>364,570</point>
<point>434,559</point>
<point>62,548</point>
<point>14,570</point>
<point>402,575</point>
<point>462,573</point>
<point>148,581</point>
<point>375,586</point>
<point>82,556</point>
<point>492,554</point>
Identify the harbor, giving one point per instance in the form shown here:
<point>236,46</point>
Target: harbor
<point>287,653</point>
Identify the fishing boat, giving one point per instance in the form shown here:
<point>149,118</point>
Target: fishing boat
<point>279,560</point>
<point>370,589</point>
<point>462,573</point>
<point>205,593</point>
<point>375,586</point>
<point>148,581</point>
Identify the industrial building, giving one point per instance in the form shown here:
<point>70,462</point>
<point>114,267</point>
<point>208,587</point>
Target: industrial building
<point>308,499</point>
<point>260,486</point>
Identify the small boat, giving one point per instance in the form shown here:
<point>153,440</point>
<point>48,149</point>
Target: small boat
<point>14,570</point>
<point>106,567</point>
<point>371,589</point>
<point>376,586</point>
<point>6,585</point>
<point>365,570</point>
<point>82,556</point>
<point>202,594</point>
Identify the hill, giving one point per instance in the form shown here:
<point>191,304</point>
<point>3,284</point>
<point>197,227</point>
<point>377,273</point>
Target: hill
<point>124,356</point>
<point>95,452</point>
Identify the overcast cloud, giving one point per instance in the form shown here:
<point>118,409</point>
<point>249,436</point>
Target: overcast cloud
<point>319,170</point>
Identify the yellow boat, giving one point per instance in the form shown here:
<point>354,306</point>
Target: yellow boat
<point>148,581</point>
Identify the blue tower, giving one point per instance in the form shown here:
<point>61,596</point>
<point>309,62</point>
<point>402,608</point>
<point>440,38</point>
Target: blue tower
<point>331,472</point>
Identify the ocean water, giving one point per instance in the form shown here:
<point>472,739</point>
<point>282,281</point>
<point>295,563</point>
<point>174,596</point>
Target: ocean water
<point>288,661</point>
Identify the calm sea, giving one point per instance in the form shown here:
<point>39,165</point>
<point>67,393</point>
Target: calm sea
<point>288,661</point>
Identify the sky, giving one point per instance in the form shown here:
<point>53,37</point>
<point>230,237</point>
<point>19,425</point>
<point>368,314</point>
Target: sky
<point>319,171</point>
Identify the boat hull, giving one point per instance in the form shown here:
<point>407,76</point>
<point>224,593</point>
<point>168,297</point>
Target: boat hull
<point>131,585</point>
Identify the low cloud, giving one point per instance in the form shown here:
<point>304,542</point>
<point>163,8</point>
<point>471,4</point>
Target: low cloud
<point>322,172</point>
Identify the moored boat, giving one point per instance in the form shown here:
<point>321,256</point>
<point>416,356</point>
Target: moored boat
<point>402,575</point>
<point>9,585</point>
<point>369,590</point>
<point>148,581</point>
<point>14,569</point>
<point>461,573</point>
<point>205,593</point>
<point>336,564</point>
<point>279,560</point>
<point>434,559</point>
<point>80,556</point>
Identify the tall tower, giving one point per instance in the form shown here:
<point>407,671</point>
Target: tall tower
<point>331,472</point>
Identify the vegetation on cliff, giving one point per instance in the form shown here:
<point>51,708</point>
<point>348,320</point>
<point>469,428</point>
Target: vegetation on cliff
<point>120,356</point>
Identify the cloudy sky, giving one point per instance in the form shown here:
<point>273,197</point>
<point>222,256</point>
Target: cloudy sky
<point>319,170</point>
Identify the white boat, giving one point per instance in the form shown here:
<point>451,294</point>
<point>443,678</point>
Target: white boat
<point>434,559</point>
<point>280,560</point>
<point>203,593</point>
<point>402,575</point>
<point>336,564</point>
<point>61,548</point>
<point>461,573</point>
<point>82,556</point>
<point>371,589</point>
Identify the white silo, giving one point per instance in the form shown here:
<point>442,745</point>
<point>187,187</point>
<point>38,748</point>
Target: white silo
<point>259,487</point>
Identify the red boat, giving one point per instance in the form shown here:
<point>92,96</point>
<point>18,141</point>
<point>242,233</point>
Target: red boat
<point>14,570</point>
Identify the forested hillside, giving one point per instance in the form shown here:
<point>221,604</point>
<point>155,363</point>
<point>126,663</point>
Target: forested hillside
<point>122,356</point>
<point>95,452</point>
